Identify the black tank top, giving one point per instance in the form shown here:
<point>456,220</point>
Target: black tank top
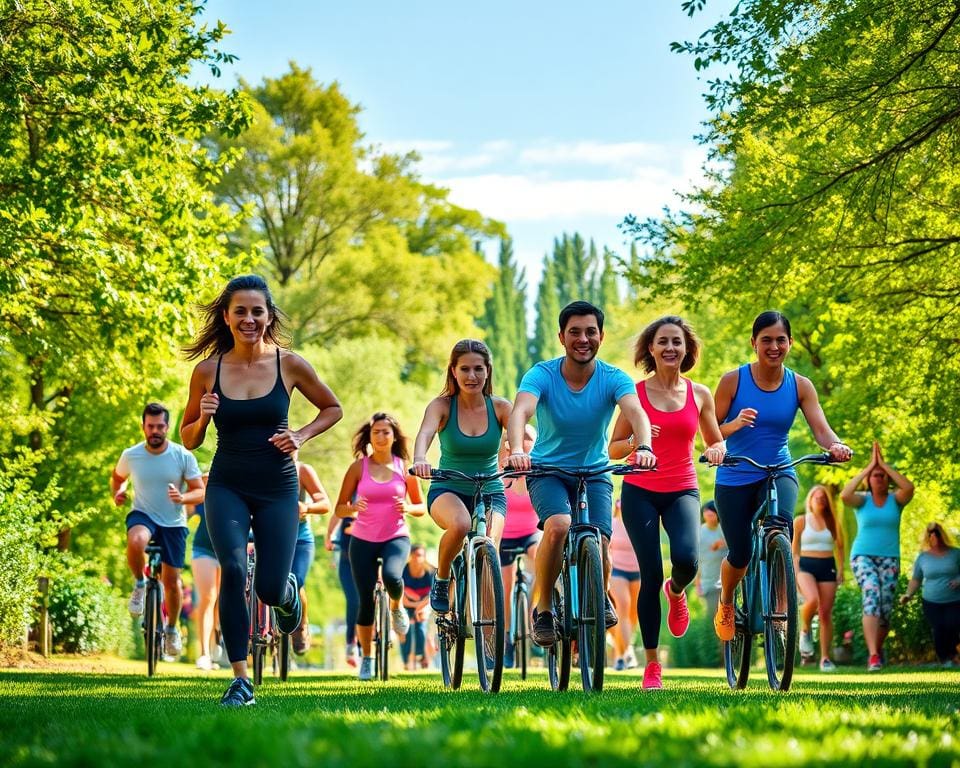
<point>244,428</point>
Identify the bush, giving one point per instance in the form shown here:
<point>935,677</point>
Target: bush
<point>88,615</point>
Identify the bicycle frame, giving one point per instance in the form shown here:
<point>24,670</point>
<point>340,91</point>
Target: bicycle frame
<point>519,586</point>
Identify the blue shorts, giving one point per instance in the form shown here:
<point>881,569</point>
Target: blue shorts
<point>302,560</point>
<point>198,552</point>
<point>628,575</point>
<point>172,541</point>
<point>557,495</point>
<point>523,542</point>
<point>496,502</point>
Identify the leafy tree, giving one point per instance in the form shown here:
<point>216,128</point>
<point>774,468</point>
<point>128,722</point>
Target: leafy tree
<point>544,343</point>
<point>505,323</point>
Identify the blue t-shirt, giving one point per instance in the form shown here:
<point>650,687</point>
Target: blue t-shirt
<point>151,473</point>
<point>573,425</point>
<point>936,572</point>
<point>766,441</point>
<point>878,528</point>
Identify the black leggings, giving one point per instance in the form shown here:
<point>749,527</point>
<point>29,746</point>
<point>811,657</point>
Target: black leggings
<point>349,589</point>
<point>736,505</point>
<point>275,520</point>
<point>944,620</point>
<point>642,512</point>
<point>363,563</point>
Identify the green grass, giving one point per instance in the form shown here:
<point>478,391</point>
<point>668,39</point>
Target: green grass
<point>113,715</point>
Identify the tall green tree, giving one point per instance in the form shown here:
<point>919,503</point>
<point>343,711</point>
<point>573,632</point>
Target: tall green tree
<point>544,343</point>
<point>505,322</point>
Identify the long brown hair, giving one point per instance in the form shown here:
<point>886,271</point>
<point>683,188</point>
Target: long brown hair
<point>829,516</point>
<point>361,439</point>
<point>461,348</point>
<point>641,350</point>
<point>215,337</point>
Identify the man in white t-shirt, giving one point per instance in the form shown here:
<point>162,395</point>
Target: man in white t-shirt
<point>165,476</point>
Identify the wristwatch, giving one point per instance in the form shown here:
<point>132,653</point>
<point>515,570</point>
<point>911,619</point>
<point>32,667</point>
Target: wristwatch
<point>642,447</point>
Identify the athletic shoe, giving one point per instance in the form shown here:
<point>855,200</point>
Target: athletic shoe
<point>300,639</point>
<point>366,668</point>
<point>610,617</point>
<point>619,665</point>
<point>290,615</point>
<point>806,644</point>
<point>630,659</point>
<point>724,622</point>
<point>949,664</point>
<point>239,694</point>
<point>827,666</point>
<point>440,596</point>
<point>678,617</point>
<point>400,620</point>
<point>508,660</point>
<point>352,656</point>
<point>874,665</point>
<point>135,606</point>
<point>206,664</point>
<point>172,646</point>
<point>544,633</point>
<point>652,674</point>
<point>218,652</point>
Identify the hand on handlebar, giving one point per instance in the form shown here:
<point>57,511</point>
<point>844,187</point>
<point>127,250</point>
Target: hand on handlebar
<point>715,454</point>
<point>840,452</point>
<point>421,469</point>
<point>519,461</point>
<point>644,459</point>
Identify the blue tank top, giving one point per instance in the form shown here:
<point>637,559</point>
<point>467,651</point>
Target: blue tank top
<point>878,528</point>
<point>766,441</point>
<point>305,532</point>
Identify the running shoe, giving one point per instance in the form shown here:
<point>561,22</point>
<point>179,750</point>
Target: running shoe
<point>400,620</point>
<point>630,659</point>
<point>724,622</point>
<point>652,676</point>
<point>619,665</point>
<point>874,664</point>
<point>544,632</point>
<point>135,606</point>
<point>172,645</point>
<point>366,668</point>
<point>678,617</point>
<point>353,656</point>
<point>440,595</point>
<point>290,615</point>
<point>206,663</point>
<point>827,666</point>
<point>806,643</point>
<point>239,694</point>
<point>610,617</point>
<point>300,639</point>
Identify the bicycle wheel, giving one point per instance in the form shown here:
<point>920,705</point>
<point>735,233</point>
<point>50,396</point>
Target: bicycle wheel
<point>259,640</point>
<point>382,619</point>
<point>737,652</point>
<point>151,626</point>
<point>558,654</point>
<point>488,623</point>
<point>779,613</point>
<point>283,654</point>
<point>452,633</point>
<point>521,631</point>
<point>591,626</point>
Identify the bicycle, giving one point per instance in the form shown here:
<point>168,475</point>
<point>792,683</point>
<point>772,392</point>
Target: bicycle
<point>264,634</point>
<point>579,598</point>
<point>520,612</point>
<point>476,595</point>
<point>765,600</point>
<point>381,628</point>
<point>152,622</point>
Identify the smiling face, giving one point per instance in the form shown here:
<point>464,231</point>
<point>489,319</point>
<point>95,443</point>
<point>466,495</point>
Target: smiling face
<point>772,345</point>
<point>248,316</point>
<point>382,436</point>
<point>581,338</point>
<point>471,373</point>
<point>669,347</point>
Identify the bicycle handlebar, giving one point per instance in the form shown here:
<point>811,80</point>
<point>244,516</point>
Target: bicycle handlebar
<point>811,458</point>
<point>538,470</point>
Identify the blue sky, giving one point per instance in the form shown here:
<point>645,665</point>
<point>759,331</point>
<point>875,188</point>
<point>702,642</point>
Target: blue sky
<point>551,117</point>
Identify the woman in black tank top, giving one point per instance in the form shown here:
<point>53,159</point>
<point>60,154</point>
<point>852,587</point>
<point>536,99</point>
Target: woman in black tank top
<point>244,386</point>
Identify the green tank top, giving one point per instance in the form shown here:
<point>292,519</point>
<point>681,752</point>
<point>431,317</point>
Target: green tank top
<point>471,455</point>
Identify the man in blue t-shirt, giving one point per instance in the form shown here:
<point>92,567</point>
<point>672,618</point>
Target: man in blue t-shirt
<point>165,476</point>
<point>574,397</point>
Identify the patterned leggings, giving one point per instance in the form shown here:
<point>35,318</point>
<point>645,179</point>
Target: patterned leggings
<point>877,577</point>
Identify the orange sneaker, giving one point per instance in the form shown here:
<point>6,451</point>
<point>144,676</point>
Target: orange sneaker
<point>723,622</point>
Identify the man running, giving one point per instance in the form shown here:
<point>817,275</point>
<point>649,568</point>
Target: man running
<point>159,470</point>
<point>574,397</point>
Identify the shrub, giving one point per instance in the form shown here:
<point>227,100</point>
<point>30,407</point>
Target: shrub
<point>88,615</point>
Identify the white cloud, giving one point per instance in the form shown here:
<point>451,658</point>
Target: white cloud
<point>591,153</point>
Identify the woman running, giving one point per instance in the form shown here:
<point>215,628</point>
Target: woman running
<point>243,385</point>
<point>378,492</point>
<point>816,537</point>
<point>756,405</point>
<point>677,409</point>
<point>470,421</point>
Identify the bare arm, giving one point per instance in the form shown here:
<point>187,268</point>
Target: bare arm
<point>416,506</point>
<point>799,523</point>
<point>912,586</point>
<point>619,445</point>
<point>433,420</point>
<point>348,489</point>
<point>302,376</point>
<point>905,488</point>
<point>716,449</point>
<point>201,405</point>
<point>194,495</point>
<point>118,486</point>
<point>849,495</point>
<point>310,482</point>
<point>640,427</point>
<point>825,436</point>
<point>503,409</point>
<point>524,406</point>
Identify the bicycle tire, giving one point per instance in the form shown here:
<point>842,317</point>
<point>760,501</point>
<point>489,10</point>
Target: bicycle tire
<point>259,640</point>
<point>559,654</point>
<point>451,629</point>
<point>151,627</point>
<point>488,633</point>
<point>737,652</point>
<point>283,655</point>
<point>521,634</point>
<point>779,614</point>
<point>591,625</point>
<point>383,635</point>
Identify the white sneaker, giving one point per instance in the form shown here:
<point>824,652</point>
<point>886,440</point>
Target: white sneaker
<point>366,668</point>
<point>806,644</point>
<point>827,666</point>
<point>206,664</point>
<point>135,606</point>
<point>630,659</point>
<point>400,620</point>
<point>172,646</point>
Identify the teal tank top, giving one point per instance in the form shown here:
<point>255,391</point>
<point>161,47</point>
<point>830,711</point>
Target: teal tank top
<point>878,528</point>
<point>470,455</point>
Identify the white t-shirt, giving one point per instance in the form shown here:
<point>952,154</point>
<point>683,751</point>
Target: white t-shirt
<point>150,474</point>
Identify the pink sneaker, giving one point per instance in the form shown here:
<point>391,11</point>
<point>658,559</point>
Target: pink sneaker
<point>651,676</point>
<point>874,664</point>
<point>678,617</point>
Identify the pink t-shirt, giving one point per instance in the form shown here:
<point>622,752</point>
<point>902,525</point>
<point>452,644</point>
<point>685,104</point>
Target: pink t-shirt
<point>380,521</point>
<point>522,519</point>
<point>673,447</point>
<point>622,555</point>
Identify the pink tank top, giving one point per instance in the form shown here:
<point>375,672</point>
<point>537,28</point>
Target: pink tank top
<point>622,556</point>
<point>380,521</point>
<point>522,519</point>
<point>673,447</point>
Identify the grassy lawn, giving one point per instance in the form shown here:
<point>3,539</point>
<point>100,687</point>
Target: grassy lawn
<point>107,713</point>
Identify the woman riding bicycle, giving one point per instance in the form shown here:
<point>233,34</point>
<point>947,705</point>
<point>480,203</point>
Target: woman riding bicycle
<point>382,493</point>
<point>470,421</point>
<point>677,409</point>
<point>756,406</point>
